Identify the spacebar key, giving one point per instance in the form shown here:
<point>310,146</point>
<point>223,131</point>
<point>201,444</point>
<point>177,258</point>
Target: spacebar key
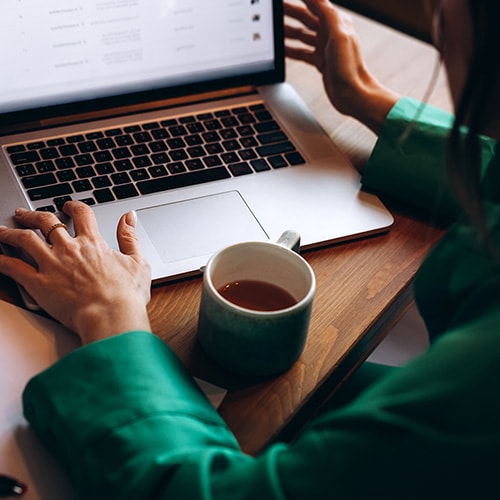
<point>182,180</point>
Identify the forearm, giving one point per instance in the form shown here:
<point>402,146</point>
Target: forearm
<point>371,102</point>
<point>100,320</point>
<point>128,422</point>
<point>121,415</point>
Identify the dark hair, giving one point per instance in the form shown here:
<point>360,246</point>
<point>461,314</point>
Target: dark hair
<point>478,101</point>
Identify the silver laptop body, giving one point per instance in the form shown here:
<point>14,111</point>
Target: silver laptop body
<point>79,76</point>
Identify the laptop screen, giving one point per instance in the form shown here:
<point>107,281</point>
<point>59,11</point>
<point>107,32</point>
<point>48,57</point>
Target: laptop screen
<point>94,54</point>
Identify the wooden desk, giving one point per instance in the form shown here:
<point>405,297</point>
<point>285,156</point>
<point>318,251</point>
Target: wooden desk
<point>362,286</point>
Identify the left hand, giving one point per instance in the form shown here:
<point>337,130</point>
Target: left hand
<point>90,288</point>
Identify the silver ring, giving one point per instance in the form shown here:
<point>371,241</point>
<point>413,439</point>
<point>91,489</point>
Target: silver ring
<point>51,228</point>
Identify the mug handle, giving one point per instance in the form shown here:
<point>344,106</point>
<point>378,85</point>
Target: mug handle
<point>290,239</point>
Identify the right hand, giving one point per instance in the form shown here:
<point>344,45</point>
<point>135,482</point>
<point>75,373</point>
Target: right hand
<point>328,41</point>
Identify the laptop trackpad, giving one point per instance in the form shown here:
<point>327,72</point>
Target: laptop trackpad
<point>199,226</point>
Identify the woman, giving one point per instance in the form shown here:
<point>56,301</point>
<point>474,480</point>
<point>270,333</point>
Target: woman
<point>129,423</point>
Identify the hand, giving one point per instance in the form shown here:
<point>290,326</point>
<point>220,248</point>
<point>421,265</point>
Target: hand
<point>328,41</point>
<point>90,288</point>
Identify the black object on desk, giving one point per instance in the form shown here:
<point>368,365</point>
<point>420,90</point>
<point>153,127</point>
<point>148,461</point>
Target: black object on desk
<point>10,487</point>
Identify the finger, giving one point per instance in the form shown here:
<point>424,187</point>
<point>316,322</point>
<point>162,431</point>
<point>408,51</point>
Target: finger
<point>19,271</point>
<point>84,220</point>
<point>301,54</point>
<point>302,15</point>
<point>48,224</point>
<point>333,19</point>
<point>325,14</point>
<point>295,33</point>
<point>318,7</point>
<point>128,242</point>
<point>26,240</point>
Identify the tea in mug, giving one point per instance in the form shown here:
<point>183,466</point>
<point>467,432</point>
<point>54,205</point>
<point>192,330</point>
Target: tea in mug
<point>257,295</point>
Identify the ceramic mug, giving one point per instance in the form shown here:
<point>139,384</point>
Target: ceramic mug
<point>256,306</point>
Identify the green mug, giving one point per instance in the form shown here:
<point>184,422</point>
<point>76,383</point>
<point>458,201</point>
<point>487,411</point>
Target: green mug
<point>256,305</point>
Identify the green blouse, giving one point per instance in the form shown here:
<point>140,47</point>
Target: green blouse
<point>128,422</point>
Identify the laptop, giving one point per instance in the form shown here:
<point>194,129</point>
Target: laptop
<point>179,110</point>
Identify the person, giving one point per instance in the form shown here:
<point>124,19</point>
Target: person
<point>127,420</point>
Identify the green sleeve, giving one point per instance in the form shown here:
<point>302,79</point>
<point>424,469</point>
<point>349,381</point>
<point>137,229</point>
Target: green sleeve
<point>128,423</point>
<point>121,414</point>
<point>408,163</point>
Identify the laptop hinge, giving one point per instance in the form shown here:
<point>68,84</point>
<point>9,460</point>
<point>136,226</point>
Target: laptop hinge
<point>144,107</point>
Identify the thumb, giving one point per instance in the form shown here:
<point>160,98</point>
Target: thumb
<point>126,235</point>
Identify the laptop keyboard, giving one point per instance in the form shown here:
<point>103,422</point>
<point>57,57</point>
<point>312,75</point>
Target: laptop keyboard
<point>143,158</point>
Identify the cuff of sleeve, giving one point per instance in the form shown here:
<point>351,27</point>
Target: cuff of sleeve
<point>108,384</point>
<point>408,163</point>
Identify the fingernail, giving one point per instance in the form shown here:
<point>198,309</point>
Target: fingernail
<point>20,211</point>
<point>131,218</point>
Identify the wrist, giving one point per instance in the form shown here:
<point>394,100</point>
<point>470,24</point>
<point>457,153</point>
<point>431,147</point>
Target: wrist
<point>373,103</point>
<point>98,322</point>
